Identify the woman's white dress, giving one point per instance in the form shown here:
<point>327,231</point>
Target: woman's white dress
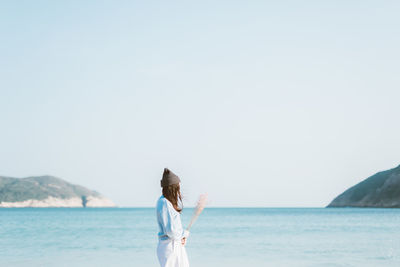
<point>170,251</point>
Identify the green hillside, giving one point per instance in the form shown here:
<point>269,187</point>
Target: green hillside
<point>39,188</point>
<point>380,190</point>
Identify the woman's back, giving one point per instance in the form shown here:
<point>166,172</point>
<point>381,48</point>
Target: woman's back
<point>169,220</point>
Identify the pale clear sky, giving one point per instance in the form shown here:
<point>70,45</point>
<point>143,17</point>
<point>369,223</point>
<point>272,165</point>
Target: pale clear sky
<point>258,103</point>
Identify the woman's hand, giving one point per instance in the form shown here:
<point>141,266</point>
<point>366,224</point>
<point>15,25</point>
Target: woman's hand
<point>183,241</point>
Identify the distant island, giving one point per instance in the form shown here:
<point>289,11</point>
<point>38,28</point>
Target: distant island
<point>47,191</point>
<point>381,190</point>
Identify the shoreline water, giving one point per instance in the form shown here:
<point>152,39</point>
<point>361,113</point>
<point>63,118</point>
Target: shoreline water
<point>227,236</point>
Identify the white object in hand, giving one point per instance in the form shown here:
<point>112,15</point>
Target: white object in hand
<point>201,203</point>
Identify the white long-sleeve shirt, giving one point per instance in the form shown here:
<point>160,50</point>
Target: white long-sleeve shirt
<point>169,221</point>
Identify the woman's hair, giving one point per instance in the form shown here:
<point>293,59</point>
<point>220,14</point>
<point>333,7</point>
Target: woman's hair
<point>173,194</point>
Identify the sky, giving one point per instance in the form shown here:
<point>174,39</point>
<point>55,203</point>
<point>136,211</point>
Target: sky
<point>257,103</point>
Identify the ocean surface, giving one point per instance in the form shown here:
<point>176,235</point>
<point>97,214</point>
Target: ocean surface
<point>221,237</point>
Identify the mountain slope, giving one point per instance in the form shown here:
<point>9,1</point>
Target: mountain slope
<point>381,190</point>
<point>47,191</point>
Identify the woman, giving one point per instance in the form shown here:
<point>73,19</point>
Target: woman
<point>171,237</point>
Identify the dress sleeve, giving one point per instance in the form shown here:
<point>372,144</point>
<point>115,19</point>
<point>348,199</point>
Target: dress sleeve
<point>170,223</point>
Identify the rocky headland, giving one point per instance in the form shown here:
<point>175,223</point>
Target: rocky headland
<point>47,191</point>
<point>381,190</point>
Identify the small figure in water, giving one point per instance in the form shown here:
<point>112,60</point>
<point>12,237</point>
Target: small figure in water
<point>172,237</point>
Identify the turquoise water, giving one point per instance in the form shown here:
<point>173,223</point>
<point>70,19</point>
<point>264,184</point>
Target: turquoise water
<point>221,237</point>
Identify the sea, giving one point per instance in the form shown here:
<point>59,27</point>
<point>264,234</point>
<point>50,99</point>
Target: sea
<point>233,237</point>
